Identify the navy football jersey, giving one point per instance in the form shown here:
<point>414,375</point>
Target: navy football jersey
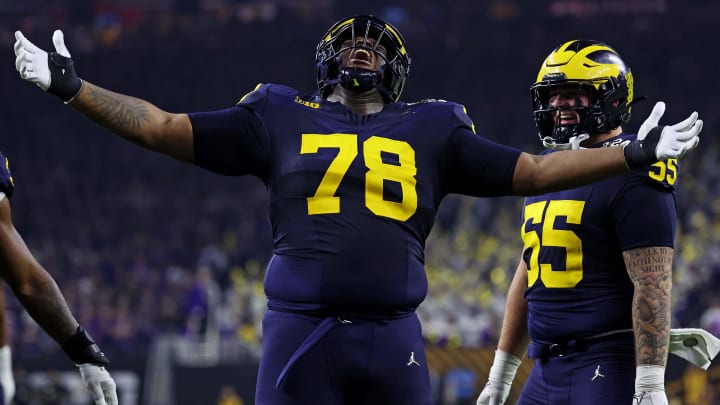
<point>351,198</point>
<point>6,181</point>
<point>573,242</point>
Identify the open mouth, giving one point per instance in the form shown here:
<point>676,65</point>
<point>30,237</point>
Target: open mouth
<point>359,62</point>
<point>568,118</point>
<point>360,58</point>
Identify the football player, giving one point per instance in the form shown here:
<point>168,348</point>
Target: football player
<point>591,295</point>
<point>39,294</point>
<point>354,179</point>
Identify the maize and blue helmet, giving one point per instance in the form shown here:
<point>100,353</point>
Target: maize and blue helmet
<point>590,66</point>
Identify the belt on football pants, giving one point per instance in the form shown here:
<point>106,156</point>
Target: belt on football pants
<point>544,351</point>
<point>329,321</point>
<point>325,326</point>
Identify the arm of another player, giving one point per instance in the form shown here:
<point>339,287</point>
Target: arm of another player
<point>131,118</point>
<point>39,294</point>
<point>568,169</point>
<point>513,342</point>
<point>650,270</point>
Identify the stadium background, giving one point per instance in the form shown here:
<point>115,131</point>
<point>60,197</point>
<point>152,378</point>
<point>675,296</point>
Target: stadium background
<point>163,262</point>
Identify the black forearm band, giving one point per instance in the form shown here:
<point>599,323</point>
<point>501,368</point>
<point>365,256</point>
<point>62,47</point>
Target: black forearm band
<point>82,349</point>
<point>642,153</point>
<point>64,82</point>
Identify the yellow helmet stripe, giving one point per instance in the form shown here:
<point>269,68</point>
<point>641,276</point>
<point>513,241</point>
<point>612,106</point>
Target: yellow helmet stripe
<point>397,38</point>
<point>575,65</point>
<point>388,27</point>
<point>338,27</point>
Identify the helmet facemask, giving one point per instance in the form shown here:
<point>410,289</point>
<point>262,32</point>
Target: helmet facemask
<point>552,132</point>
<point>373,35</point>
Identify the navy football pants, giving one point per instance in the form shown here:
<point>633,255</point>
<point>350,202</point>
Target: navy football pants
<point>328,361</point>
<point>602,374</point>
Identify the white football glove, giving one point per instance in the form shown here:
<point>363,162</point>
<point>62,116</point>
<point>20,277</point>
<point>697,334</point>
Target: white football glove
<point>675,140</point>
<point>100,384</point>
<point>502,373</point>
<point>53,72</point>
<point>6,374</point>
<point>650,385</point>
<point>656,142</point>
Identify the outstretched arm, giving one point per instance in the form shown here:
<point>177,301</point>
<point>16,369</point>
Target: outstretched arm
<point>131,118</point>
<point>137,120</point>
<point>573,168</point>
<point>540,174</point>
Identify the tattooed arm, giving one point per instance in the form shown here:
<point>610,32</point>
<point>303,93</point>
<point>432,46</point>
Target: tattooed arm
<point>650,270</point>
<point>137,121</point>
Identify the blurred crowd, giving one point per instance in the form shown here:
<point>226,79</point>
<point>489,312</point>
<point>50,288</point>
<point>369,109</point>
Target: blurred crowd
<point>142,245</point>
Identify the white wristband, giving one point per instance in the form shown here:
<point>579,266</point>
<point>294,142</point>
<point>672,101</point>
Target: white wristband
<point>6,375</point>
<point>504,367</point>
<point>5,360</point>
<point>649,378</point>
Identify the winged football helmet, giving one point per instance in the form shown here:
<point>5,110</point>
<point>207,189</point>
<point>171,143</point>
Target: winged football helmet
<point>590,66</point>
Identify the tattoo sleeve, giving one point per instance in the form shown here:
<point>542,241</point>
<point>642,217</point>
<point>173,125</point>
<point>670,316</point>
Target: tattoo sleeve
<point>137,121</point>
<point>122,114</point>
<point>650,270</point>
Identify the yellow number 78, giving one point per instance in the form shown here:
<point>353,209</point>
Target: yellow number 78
<point>326,202</point>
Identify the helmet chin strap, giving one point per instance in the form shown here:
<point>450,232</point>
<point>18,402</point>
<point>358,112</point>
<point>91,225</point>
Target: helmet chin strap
<point>573,143</point>
<point>359,80</point>
<point>576,140</point>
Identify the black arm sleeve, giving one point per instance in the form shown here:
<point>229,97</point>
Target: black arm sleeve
<point>477,166</point>
<point>231,142</point>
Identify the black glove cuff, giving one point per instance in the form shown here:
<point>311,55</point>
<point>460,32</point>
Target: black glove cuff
<point>64,82</point>
<point>642,153</point>
<point>82,349</point>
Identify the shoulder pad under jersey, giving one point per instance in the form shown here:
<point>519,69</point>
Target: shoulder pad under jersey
<point>257,98</point>
<point>7,185</point>
<point>459,116</point>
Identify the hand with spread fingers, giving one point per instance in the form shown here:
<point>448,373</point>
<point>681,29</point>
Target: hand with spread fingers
<point>660,142</point>
<point>53,72</point>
